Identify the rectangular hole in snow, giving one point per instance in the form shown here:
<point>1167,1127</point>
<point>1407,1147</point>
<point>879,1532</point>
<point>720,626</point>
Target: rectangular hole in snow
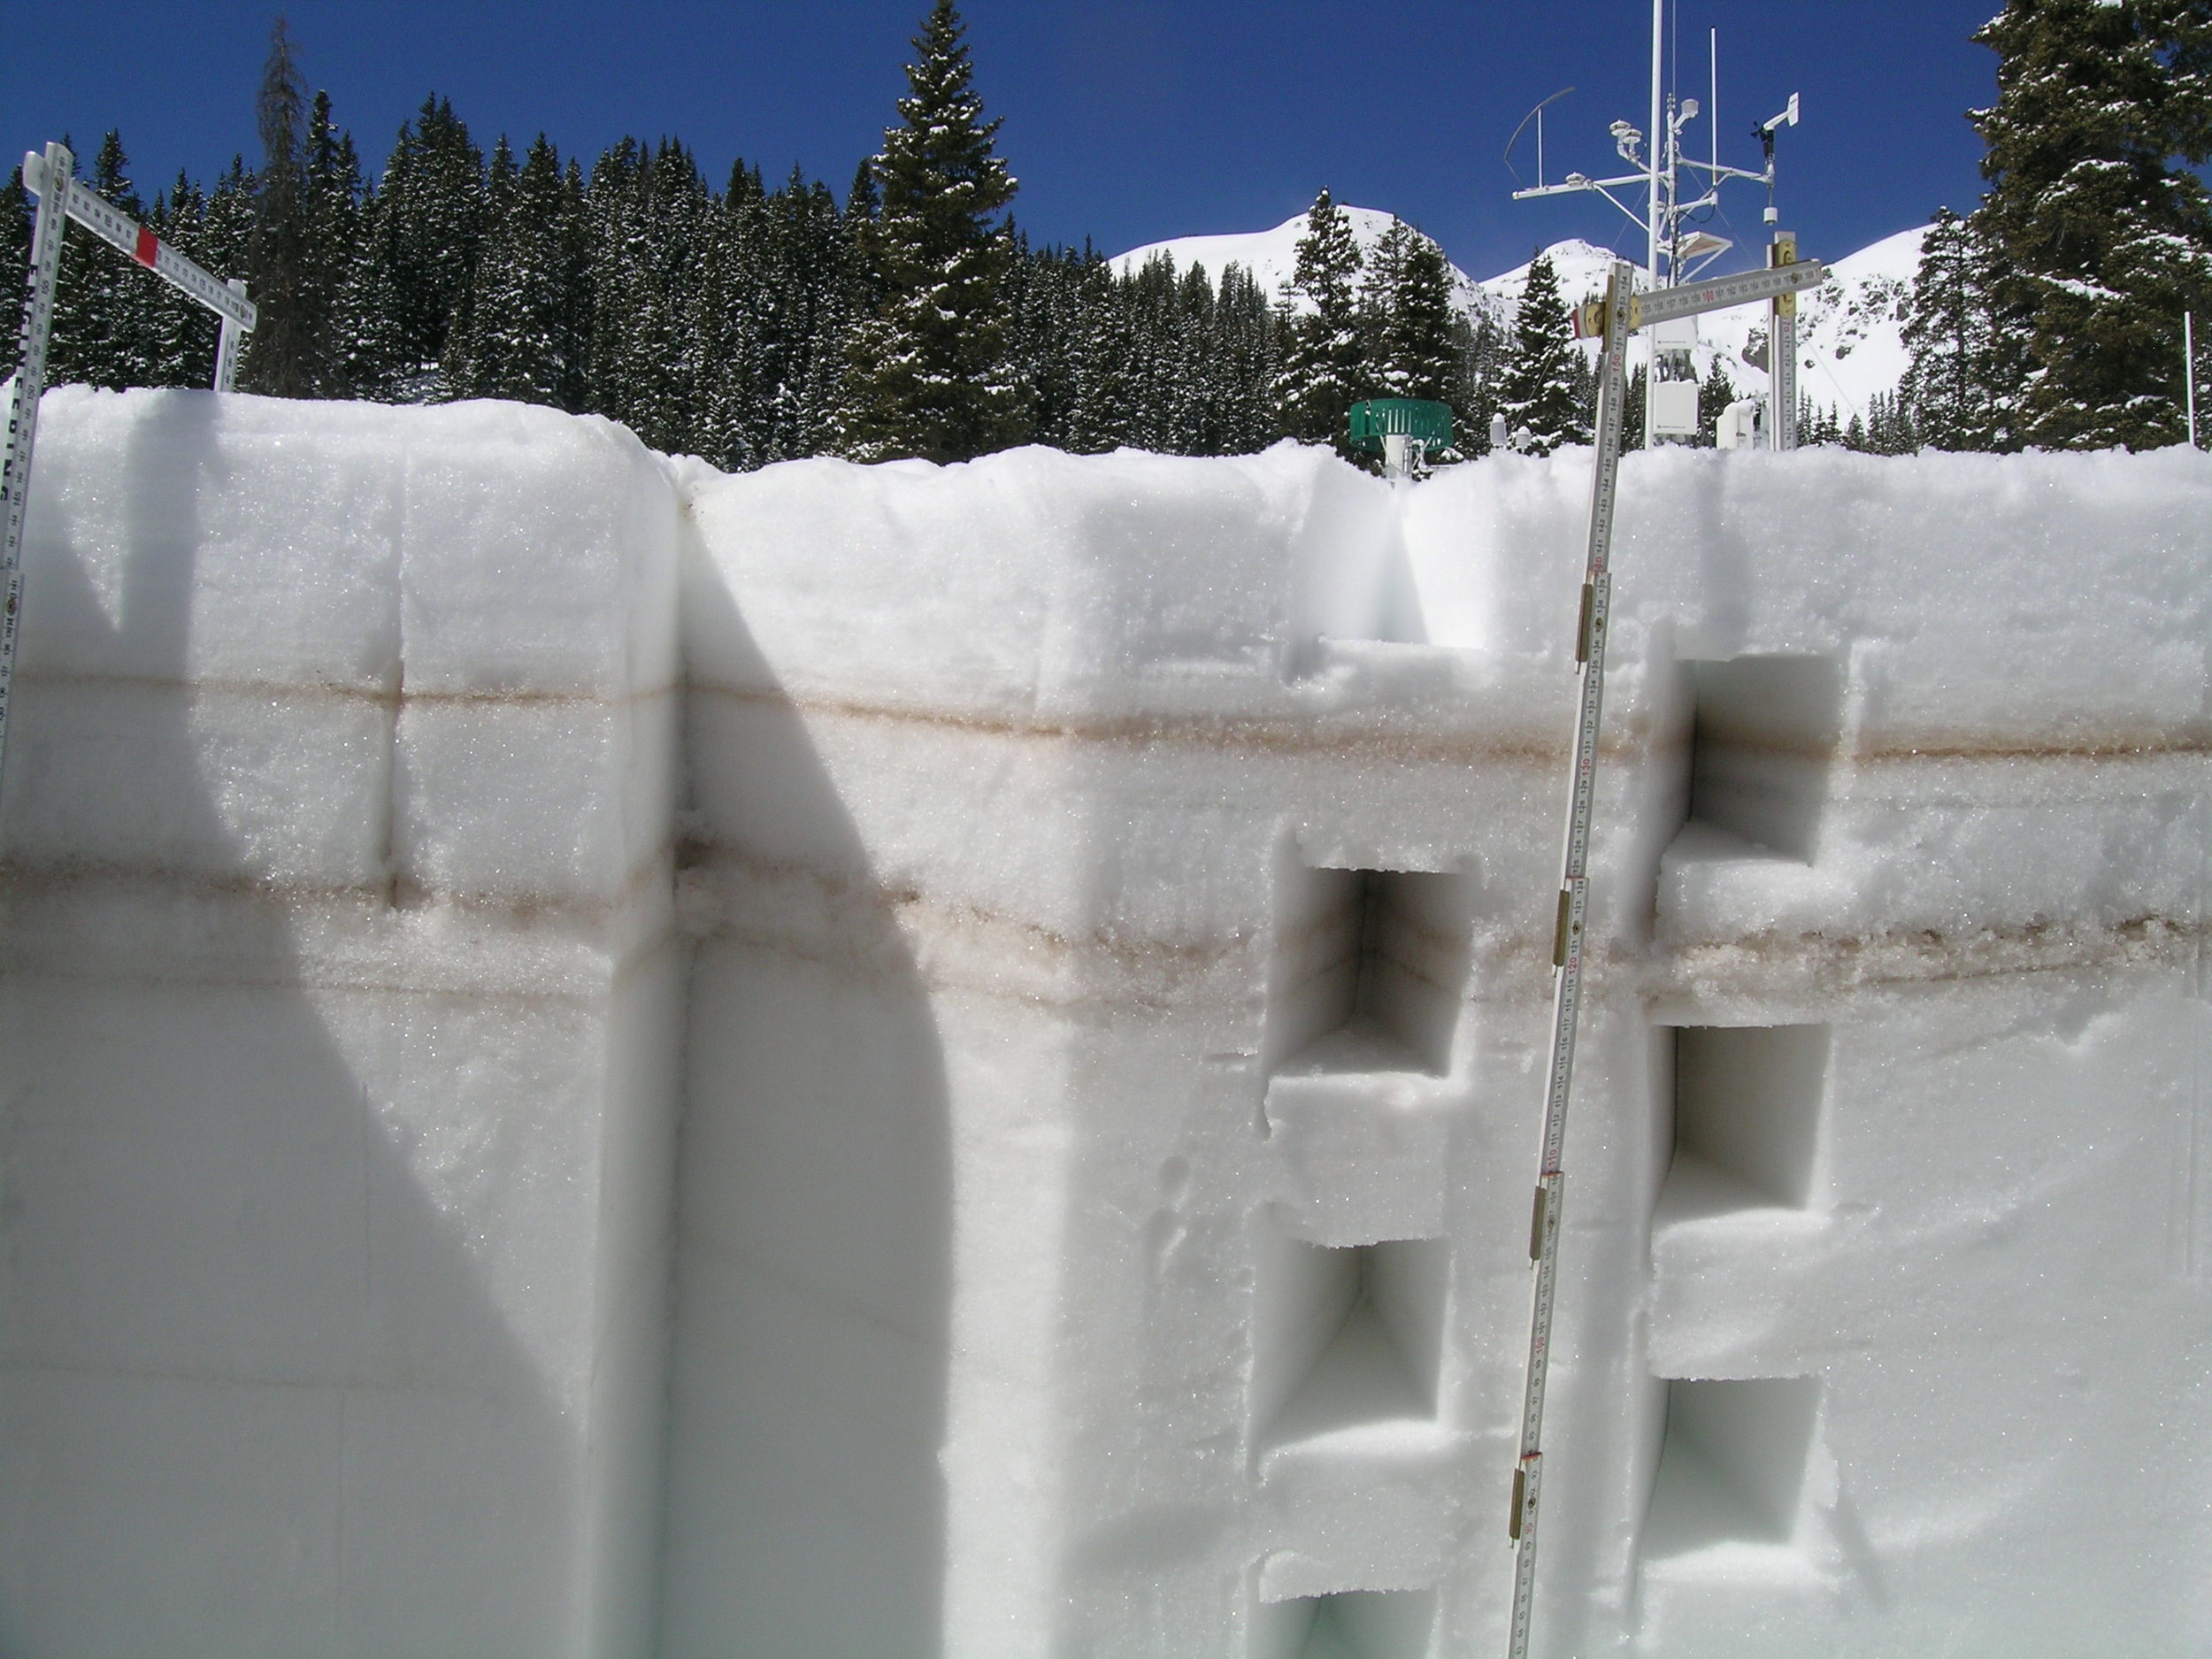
<point>1368,969</point>
<point>1731,1467</point>
<point>1767,729</point>
<point>1344,1336</point>
<point>1748,1108</point>
<point>1351,1624</point>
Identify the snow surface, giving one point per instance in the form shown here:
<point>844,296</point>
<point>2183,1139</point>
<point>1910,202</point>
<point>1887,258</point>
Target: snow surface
<point>1091,917</point>
<point>1850,331</point>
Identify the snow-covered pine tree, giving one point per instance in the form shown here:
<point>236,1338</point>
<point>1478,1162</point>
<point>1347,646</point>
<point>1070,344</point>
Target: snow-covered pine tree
<point>519,338</point>
<point>1715,393</point>
<point>1421,342</point>
<point>1244,359</point>
<point>2102,226</point>
<point>734,309</point>
<point>424,234</point>
<point>283,354</point>
<point>929,374</point>
<point>1632,408</point>
<point>455,371</point>
<point>334,242</point>
<point>107,312</point>
<point>15,229</point>
<point>1541,390</point>
<point>1962,384</point>
<point>652,221</point>
<point>1326,350</point>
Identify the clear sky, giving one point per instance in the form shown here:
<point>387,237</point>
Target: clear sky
<point>1126,121</point>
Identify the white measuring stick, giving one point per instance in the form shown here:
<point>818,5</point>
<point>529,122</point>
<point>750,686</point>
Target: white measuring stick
<point>30,385</point>
<point>1611,320</point>
<point>1567,938</point>
<point>126,236</point>
<point>1663,306</point>
<point>51,178</point>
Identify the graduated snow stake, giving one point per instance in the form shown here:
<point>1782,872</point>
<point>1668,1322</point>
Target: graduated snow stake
<point>1611,319</point>
<point>52,178</point>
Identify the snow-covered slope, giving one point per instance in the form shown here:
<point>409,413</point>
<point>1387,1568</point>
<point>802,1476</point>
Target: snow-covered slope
<point>1271,255</point>
<point>1850,332</point>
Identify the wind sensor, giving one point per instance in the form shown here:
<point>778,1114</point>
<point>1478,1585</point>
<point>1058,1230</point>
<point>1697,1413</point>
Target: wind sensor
<point>1680,193</point>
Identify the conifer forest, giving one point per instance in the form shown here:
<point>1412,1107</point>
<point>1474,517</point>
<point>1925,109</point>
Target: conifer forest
<point>749,320</point>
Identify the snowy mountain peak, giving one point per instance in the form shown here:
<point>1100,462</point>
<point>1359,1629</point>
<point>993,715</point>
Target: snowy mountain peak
<point>1271,255</point>
<point>1850,331</point>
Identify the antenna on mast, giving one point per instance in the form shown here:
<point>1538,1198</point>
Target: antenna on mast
<point>1672,204</point>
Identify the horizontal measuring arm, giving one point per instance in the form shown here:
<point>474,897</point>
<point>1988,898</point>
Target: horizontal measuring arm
<point>93,211</point>
<point>1692,298</point>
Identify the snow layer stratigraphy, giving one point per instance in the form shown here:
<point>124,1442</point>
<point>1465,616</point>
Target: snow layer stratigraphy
<point>340,1002</point>
<point>1093,931</point>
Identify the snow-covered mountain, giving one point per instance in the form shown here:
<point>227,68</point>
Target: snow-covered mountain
<point>1850,332</point>
<point>1271,255</point>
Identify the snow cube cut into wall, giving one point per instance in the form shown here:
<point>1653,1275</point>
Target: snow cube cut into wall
<point>1344,1336</point>
<point>1748,1108</point>
<point>1369,970</point>
<point>1355,1625</point>
<point>1767,731</point>
<point>1731,1468</point>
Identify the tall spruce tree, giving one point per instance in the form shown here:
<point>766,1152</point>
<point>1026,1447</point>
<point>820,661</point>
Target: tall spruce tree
<point>1541,388</point>
<point>424,236</point>
<point>334,242</point>
<point>929,371</point>
<point>107,312</point>
<point>1421,342</point>
<point>1326,359</point>
<point>2101,227</point>
<point>1715,393</point>
<point>1961,382</point>
<point>282,354</point>
<point>520,339</point>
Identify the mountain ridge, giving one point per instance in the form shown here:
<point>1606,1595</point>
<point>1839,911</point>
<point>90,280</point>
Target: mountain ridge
<point>1850,330</point>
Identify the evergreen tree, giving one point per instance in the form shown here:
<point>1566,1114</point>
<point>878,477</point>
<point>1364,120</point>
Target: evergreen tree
<point>334,246</point>
<point>1632,410</point>
<point>929,369</point>
<point>1715,393</point>
<point>2102,227</point>
<point>1962,380</point>
<point>519,338</point>
<point>1542,389</point>
<point>424,235</point>
<point>1422,343</point>
<point>16,208</point>
<point>1326,356</point>
<point>107,311</point>
<point>282,354</point>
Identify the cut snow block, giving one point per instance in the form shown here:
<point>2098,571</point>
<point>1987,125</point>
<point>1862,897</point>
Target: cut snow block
<point>1369,972</point>
<point>177,536</point>
<point>1352,1624</point>
<point>531,800</point>
<point>1731,1468</point>
<point>1747,1111</point>
<point>1344,1336</point>
<point>334,1236</point>
<point>1767,730</point>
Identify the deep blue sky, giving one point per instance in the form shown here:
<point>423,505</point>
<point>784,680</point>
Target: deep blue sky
<point>1128,122</point>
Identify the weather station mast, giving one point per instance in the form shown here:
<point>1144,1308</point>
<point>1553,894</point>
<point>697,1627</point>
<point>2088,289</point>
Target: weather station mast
<point>1677,250</point>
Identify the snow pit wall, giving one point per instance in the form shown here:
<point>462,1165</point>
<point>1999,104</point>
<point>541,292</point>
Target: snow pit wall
<point>341,1004</point>
<point>1105,990</point>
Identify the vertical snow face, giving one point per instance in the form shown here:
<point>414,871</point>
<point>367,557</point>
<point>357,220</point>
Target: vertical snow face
<point>1095,927</point>
<point>340,999</point>
<point>1123,889</point>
